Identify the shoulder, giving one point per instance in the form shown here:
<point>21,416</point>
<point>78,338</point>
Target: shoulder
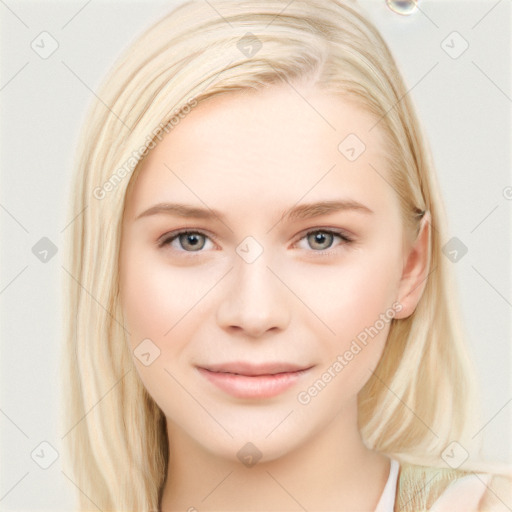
<point>422,488</point>
<point>498,494</point>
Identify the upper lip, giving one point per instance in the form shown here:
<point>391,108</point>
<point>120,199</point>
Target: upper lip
<point>250,369</point>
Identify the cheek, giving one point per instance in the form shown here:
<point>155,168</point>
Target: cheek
<point>350,295</point>
<point>155,297</point>
<point>147,302</point>
<point>155,301</point>
<point>354,301</point>
<point>165,305</point>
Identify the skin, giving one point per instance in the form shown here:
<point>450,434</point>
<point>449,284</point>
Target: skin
<point>251,156</point>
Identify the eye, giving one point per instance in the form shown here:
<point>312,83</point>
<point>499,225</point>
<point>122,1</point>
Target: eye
<point>190,241</point>
<point>323,239</point>
<point>186,241</point>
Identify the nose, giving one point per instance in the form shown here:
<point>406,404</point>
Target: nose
<point>254,300</point>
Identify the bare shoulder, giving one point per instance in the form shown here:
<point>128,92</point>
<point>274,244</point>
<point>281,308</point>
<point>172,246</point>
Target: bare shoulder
<point>498,494</point>
<point>476,492</point>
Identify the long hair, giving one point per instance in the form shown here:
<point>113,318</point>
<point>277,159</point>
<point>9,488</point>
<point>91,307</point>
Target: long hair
<point>420,396</point>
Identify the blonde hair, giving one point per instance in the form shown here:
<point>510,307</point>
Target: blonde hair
<point>419,398</point>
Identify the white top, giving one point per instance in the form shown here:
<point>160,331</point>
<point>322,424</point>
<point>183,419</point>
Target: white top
<point>387,498</point>
<point>462,495</point>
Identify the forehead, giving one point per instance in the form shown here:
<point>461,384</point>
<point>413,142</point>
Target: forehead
<point>267,148</point>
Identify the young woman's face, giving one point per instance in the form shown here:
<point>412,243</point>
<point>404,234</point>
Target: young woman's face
<point>292,265</point>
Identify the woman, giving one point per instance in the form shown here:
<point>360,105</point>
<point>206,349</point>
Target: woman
<point>261,317</point>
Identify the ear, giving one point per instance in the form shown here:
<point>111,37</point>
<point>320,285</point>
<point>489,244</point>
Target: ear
<point>415,270</point>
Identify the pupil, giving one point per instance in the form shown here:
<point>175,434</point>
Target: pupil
<point>191,240</point>
<point>321,238</point>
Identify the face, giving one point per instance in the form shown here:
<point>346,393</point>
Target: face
<point>260,268</point>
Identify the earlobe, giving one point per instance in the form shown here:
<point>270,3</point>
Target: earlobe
<point>415,270</point>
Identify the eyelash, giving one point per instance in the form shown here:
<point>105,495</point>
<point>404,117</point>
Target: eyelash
<point>168,238</point>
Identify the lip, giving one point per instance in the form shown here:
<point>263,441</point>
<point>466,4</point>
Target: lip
<point>247,380</point>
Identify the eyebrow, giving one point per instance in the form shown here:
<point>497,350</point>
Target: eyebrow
<point>299,212</point>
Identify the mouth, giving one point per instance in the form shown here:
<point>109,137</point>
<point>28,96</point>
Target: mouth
<point>247,380</point>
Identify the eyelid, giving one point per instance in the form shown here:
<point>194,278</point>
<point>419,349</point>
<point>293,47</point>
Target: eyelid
<point>166,238</point>
<point>324,229</point>
<point>346,237</point>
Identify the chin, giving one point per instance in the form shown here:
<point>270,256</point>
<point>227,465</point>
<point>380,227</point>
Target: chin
<point>251,451</point>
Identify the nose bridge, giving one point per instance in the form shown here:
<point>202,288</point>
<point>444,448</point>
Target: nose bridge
<point>253,300</point>
<point>252,279</point>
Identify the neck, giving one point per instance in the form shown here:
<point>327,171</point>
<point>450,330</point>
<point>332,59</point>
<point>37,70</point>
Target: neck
<point>332,471</point>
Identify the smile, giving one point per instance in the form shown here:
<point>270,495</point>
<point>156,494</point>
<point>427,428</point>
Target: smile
<point>243,380</point>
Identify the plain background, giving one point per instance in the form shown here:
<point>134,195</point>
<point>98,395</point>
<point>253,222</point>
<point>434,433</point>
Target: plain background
<point>464,103</point>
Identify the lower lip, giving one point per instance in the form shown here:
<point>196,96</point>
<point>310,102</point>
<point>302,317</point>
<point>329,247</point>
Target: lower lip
<point>260,386</point>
